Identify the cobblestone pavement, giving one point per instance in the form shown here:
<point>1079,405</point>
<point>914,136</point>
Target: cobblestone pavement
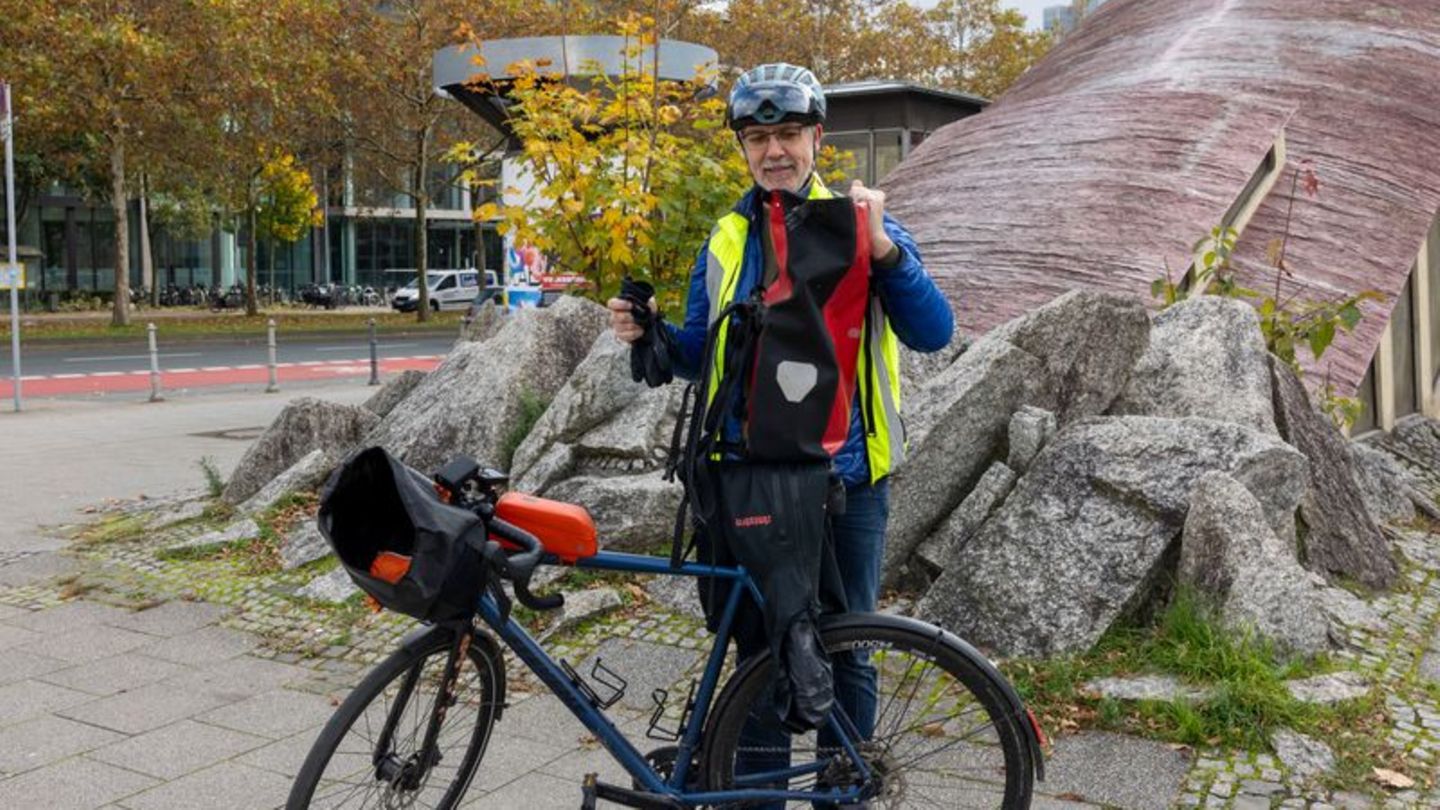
<point>1400,656</point>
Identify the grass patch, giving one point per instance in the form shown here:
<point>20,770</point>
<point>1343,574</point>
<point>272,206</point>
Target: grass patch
<point>214,481</point>
<point>171,323</point>
<point>189,553</point>
<point>532,406</point>
<point>112,529</point>
<point>253,557</point>
<point>216,513</point>
<point>74,587</point>
<point>262,554</point>
<point>1245,674</point>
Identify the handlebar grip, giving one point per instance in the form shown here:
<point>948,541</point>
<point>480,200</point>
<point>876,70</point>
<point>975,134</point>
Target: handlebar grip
<point>521,566</point>
<point>537,601</point>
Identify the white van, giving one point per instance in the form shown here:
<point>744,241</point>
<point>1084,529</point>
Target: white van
<point>449,289</point>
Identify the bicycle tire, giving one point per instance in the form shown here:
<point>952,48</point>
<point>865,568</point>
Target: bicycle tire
<point>974,686</point>
<point>355,784</point>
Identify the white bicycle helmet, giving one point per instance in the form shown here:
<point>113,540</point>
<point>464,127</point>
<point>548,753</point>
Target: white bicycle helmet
<point>775,93</point>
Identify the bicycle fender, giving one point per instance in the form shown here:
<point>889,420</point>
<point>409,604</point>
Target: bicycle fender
<point>1012,698</point>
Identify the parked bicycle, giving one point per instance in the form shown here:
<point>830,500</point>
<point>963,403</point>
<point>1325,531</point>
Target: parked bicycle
<point>948,732</point>
<point>222,299</point>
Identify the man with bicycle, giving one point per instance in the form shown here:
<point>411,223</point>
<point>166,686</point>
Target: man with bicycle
<point>777,112</point>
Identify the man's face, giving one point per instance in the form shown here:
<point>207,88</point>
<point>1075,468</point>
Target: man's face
<point>781,156</point>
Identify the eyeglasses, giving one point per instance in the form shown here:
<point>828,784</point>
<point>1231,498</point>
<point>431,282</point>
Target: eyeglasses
<point>757,140</point>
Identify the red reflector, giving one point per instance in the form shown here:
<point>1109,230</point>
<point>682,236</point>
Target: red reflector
<point>1039,732</point>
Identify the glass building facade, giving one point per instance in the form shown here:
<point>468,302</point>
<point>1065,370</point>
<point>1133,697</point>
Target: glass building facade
<point>71,240</point>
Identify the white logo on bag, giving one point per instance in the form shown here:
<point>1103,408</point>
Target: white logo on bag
<point>796,380</point>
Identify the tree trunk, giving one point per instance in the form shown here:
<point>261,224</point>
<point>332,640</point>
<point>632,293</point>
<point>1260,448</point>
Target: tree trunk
<point>120,314</point>
<point>147,259</point>
<point>477,254</point>
<point>251,308</point>
<point>422,247</point>
<point>270,288</point>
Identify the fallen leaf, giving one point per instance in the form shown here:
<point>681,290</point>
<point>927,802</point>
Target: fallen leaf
<point>1393,779</point>
<point>936,729</point>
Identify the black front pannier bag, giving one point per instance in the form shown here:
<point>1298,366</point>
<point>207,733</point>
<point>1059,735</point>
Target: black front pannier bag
<point>373,507</point>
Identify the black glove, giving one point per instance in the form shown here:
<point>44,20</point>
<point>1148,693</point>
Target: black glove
<point>650,353</point>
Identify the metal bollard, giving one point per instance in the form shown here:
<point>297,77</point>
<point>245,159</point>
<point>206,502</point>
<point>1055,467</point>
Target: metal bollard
<point>374,356</point>
<point>270,340</point>
<point>155,395</point>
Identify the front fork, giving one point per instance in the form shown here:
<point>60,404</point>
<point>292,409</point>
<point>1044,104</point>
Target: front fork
<point>409,773</point>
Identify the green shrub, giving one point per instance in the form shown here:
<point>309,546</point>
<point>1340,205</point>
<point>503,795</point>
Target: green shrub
<point>532,407</point>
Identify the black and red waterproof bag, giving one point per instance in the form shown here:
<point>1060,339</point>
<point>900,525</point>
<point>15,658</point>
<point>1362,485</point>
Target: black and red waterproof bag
<point>801,386</point>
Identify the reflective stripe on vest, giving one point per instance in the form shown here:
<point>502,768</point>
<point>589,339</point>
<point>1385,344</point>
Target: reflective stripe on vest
<point>879,363</point>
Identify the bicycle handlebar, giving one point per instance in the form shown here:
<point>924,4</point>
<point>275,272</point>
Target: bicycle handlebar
<point>520,567</point>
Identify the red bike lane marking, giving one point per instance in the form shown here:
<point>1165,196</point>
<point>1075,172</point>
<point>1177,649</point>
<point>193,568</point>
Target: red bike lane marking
<point>115,382</point>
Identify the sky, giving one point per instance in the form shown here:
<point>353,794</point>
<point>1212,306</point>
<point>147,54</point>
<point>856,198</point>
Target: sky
<point>1032,9</point>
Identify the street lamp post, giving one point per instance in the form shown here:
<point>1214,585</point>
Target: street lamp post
<point>14,268</point>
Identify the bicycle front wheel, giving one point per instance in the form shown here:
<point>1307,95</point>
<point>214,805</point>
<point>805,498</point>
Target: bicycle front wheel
<point>938,730</point>
<point>369,754</point>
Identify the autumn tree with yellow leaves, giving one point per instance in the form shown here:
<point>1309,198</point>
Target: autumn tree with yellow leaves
<point>629,171</point>
<point>288,205</point>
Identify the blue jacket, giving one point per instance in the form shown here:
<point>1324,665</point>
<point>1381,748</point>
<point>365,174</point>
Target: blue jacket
<point>917,310</point>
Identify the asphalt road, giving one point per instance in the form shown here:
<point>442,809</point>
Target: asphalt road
<point>129,355</point>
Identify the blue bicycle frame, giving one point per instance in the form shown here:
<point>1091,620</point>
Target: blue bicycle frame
<point>551,674</point>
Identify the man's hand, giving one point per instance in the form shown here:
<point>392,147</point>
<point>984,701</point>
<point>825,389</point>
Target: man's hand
<point>622,322</point>
<point>874,200</point>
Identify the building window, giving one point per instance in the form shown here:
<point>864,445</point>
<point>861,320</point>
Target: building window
<point>858,145</point>
<point>1366,394</point>
<point>888,153</point>
<point>52,241</point>
<point>1402,337</point>
<point>1432,270</point>
<point>336,252</point>
<point>402,244</point>
<point>365,266</point>
<point>493,248</point>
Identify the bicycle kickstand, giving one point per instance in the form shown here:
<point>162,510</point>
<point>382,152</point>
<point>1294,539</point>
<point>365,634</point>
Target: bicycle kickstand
<point>588,795</point>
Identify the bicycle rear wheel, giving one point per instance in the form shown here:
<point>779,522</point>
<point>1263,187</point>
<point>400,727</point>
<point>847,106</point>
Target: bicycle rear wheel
<point>944,733</point>
<point>356,763</point>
